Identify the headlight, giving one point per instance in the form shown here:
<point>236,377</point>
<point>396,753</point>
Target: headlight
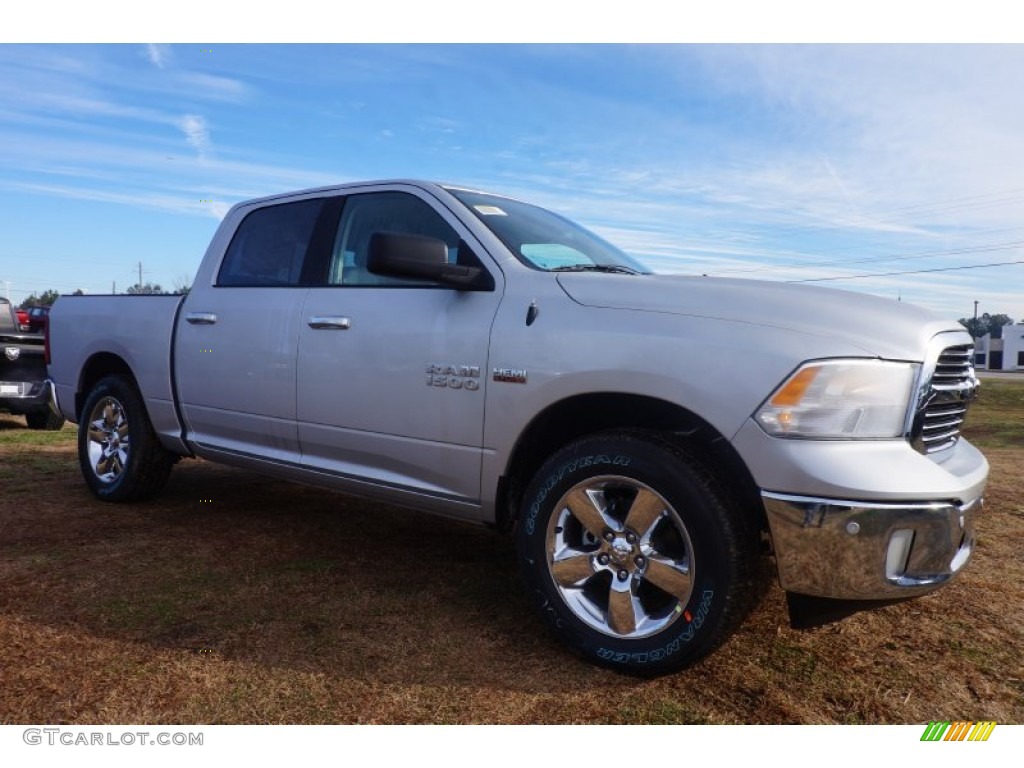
<point>835,399</point>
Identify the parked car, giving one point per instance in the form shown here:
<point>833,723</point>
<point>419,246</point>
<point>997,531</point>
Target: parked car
<point>24,388</point>
<point>482,358</point>
<point>37,317</point>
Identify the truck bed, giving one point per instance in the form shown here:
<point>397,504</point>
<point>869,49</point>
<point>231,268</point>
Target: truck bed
<point>138,329</point>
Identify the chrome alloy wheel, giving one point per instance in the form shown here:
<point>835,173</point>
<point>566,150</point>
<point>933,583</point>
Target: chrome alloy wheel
<point>109,443</point>
<point>620,557</point>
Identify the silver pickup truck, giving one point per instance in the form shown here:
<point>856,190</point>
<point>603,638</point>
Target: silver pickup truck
<point>650,439</point>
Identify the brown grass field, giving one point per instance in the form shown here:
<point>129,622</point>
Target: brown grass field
<point>233,598</point>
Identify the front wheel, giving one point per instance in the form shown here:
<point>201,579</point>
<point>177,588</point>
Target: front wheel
<point>634,555</point>
<point>118,451</point>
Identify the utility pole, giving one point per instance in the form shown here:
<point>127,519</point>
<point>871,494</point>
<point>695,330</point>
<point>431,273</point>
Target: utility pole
<point>140,283</point>
<point>974,329</point>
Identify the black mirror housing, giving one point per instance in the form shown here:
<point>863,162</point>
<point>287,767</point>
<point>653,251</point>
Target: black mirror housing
<point>424,258</point>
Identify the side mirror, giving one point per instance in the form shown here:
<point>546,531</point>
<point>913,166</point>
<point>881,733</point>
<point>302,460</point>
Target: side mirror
<point>422,258</point>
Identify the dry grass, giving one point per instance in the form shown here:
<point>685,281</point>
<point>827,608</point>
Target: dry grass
<point>238,599</point>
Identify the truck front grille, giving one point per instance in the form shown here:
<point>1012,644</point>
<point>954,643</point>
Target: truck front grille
<point>944,399</point>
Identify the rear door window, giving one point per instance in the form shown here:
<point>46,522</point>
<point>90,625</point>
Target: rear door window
<point>271,246</point>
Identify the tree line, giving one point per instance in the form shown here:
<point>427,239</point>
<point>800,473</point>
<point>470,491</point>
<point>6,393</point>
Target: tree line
<point>980,326</point>
<point>46,298</point>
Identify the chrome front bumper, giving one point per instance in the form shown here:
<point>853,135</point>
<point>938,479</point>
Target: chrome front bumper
<point>868,550</point>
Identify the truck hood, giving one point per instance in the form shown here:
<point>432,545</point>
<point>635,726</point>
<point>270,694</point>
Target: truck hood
<point>879,327</point>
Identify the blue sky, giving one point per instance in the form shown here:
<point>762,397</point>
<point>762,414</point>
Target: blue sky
<point>770,161</point>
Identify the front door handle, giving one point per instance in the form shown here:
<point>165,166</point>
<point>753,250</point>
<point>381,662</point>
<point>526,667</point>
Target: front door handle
<point>330,323</point>
<point>201,318</point>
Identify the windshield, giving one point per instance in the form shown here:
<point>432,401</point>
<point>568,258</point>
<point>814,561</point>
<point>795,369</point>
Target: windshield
<point>544,240</point>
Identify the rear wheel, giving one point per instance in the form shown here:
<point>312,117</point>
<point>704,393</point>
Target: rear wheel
<point>634,555</point>
<point>118,451</point>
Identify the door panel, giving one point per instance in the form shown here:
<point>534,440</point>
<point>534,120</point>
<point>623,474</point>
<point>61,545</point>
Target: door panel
<point>237,340</point>
<point>392,372</point>
<point>236,375</point>
<point>367,404</point>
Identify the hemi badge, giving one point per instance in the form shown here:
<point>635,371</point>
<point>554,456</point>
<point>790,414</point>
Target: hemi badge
<point>510,375</point>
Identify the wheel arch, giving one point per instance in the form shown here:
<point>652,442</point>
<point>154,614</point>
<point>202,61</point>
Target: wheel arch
<point>581,415</point>
<point>97,367</point>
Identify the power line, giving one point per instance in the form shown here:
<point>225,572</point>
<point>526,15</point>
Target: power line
<point>907,272</point>
<point>856,219</point>
<point>1006,195</point>
<point>908,257</point>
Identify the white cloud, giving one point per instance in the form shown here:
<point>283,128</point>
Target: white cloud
<point>212,87</point>
<point>159,55</point>
<point>151,160</point>
<point>438,124</point>
<point>899,130</point>
<point>151,201</point>
<point>196,133</point>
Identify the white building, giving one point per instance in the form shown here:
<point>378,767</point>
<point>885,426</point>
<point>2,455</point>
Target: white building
<point>1005,354</point>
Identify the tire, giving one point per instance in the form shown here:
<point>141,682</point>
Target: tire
<point>44,419</point>
<point>119,453</point>
<point>633,554</point>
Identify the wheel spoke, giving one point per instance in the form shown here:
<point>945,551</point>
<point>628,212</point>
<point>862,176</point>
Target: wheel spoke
<point>572,570</point>
<point>583,509</point>
<point>644,512</point>
<point>669,577</point>
<point>621,615</point>
<point>104,465</point>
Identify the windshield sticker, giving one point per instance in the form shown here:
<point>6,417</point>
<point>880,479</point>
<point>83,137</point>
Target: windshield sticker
<point>489,210</point>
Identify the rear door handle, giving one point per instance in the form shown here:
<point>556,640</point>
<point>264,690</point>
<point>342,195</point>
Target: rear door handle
<point>330,323</point>
<point>201,318</point>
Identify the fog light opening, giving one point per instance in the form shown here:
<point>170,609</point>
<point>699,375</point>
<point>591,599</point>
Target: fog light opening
<point>898,553</point>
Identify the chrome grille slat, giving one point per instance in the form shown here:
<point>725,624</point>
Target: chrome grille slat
<point>932,426</point>
<point>940,416</point>
<point>943,404</point>
<point>943,418</point>
<point>941,425</point>
<point>939,409</point>
<point>937,424</point>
